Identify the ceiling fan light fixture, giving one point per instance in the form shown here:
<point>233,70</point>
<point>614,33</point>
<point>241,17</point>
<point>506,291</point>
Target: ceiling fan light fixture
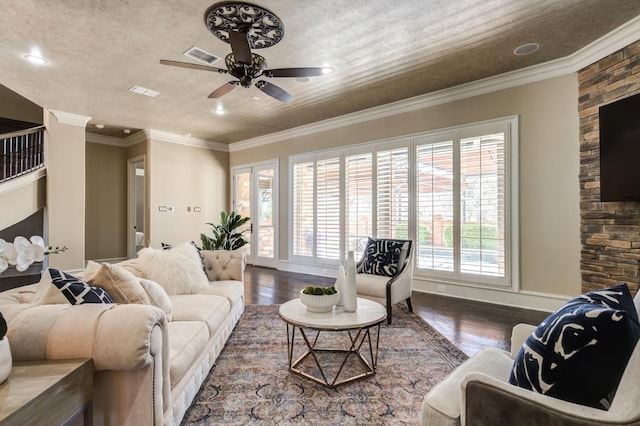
<point>262,27</point>
<point>526,49</point>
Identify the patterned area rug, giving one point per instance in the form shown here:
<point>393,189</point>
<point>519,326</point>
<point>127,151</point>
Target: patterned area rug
<point>250,382</point>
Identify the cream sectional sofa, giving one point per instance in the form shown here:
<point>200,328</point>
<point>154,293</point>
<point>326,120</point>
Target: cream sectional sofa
<point>149,362</point>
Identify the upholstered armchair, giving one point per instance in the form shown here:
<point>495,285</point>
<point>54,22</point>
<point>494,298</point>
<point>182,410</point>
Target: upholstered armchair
<point>386,284</point>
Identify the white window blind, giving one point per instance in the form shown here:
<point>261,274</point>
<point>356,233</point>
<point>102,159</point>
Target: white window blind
<point>482,197</point>
<point>328,209</point>
<point>435,205</point>
<point>392,188</point>
<point>358,201</point>
<point>303,209</point>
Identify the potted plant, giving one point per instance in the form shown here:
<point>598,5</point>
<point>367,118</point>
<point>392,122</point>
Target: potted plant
<point>226,235</point>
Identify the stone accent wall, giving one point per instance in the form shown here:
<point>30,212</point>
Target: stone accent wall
<point>610,232</point>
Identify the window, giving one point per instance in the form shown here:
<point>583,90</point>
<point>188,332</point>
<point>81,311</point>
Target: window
<point>448,191</point>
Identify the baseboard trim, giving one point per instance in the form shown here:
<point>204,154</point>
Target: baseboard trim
<point>321,271</point>
<point>535,301</point>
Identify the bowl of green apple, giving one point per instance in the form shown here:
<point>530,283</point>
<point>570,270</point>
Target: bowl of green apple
<point>319,299</point>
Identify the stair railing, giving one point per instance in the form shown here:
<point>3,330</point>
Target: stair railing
<point>21,152</point>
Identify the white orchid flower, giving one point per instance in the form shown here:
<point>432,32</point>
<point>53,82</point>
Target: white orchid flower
<point>22,252</point>
<point>8,254</point>
<point>28,252</point>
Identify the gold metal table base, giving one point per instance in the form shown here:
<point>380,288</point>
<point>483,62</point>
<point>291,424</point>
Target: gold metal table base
<point>363,345</point>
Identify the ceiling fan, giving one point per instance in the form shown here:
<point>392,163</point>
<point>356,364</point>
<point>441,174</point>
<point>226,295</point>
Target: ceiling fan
<point>244,26</point>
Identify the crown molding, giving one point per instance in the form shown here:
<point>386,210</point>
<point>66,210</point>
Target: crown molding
<point>163,136</point>
<point>606,45</point>
<point>127,142</point>
<point>69,118</point>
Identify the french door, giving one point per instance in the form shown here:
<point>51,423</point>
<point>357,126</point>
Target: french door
<point>255,194</point>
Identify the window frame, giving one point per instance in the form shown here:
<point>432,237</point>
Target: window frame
<point>507,125</point>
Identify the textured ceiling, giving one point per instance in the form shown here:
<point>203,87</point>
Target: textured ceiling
<point>381,52</point>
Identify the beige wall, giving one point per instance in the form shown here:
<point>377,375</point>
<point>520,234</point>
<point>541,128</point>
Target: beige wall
<point>106,202</point>
<point>16,107</point>
<point>65,192</point>
<point>549,163</point>
<point>25,197</point>
<point>184,176</point>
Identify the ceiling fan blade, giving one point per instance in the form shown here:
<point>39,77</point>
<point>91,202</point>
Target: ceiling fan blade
<point>192,66</point>
<point>274,91</point>
<point>223,90</point>
<point>240,46</point>
<point>294,72</point>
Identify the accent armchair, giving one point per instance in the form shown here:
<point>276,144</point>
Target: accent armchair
<point>390,289</point>
<point>478,393</point>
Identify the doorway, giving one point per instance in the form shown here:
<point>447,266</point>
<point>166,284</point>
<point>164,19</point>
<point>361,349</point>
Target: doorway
<point>136,232</point>
<point>255,194</point>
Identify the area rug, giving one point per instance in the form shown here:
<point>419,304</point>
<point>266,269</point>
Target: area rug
<point>250,382</point>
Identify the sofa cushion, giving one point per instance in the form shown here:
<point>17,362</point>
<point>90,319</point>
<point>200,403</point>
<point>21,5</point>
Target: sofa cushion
<point>232,290</point>
<point>381,257</point>
<point>178,270</point>
<point>206,308</point>
<point>77,291</point>
<point>122,285</point>
<point>372,285</point>
<point>442,404</point>
<point>187,341</point>
<point>579,353</point>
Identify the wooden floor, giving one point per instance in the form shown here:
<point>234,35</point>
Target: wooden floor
<point>470,325</point>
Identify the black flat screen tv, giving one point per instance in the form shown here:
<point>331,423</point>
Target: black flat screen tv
<point>620,150</point>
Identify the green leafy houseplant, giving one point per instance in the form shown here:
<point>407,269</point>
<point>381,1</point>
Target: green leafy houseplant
<point>226,235</point>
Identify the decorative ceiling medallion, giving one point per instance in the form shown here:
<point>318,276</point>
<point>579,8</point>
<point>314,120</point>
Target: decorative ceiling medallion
<point>263,28</point>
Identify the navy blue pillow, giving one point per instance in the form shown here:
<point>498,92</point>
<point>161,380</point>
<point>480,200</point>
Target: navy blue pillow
<point>77,291</point>
<point>579,353</point>
<point>381,257</point>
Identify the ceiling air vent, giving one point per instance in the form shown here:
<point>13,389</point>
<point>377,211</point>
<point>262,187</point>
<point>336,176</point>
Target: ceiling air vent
<point>201,55</point>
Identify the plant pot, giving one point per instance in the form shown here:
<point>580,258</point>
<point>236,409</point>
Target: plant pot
<point>5,359</point>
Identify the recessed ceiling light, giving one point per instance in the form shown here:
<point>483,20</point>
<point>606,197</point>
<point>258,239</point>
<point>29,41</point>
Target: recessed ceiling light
<point>526,49</point>
<point>219,110</point>
<point>35,59</point>
<point>327,70</point>
<point>127,131</point>
<point>302,79</point>
<point>100,126</point>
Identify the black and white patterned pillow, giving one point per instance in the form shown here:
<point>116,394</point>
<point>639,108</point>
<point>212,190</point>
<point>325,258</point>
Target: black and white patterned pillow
<point>77,291</point>
<point>381,257</point>
<point>579,353</point>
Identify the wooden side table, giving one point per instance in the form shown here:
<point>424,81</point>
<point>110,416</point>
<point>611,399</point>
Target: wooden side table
<point>51,392</point>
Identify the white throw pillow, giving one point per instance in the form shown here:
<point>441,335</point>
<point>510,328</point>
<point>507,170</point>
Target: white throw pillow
<point>178,270</point>
<point>158,297</point>
<point>119,283</point>
<point>47,293</point>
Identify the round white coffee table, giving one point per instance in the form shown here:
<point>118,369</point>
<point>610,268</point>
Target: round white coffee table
<point>363,344</point>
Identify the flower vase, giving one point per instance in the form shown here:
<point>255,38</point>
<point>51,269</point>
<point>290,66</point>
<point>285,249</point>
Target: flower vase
<point>339,285</point>
<point>350,298</point>
<point>5,359</point>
